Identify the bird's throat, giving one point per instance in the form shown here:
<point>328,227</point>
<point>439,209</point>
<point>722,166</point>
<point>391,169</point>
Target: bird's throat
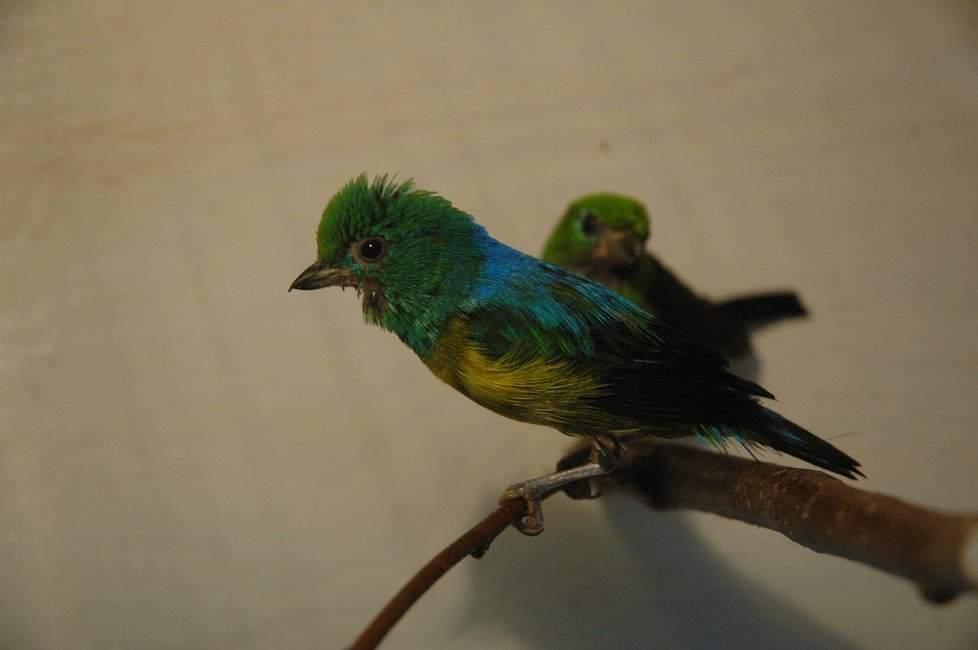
<point>374,300</point>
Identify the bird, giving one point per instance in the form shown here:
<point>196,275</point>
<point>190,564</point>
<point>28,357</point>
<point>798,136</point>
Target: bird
<point>534,341</point>
<point>604,235</point>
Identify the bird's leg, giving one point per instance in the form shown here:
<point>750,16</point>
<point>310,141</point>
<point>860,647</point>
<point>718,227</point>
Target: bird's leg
<point>581,455</point>
<point>606,452</point>
<point>583,489</point>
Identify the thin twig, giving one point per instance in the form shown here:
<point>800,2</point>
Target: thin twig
<point>475,542</point>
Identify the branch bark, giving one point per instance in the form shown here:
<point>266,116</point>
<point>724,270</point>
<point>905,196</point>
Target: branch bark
<point>936,551</point>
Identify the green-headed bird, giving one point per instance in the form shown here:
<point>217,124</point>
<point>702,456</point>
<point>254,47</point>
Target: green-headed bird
<point>534,341</point>
<point>603,236</point>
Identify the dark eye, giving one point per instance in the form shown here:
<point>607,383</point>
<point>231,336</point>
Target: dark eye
<point>589,224</point>
<point>371,249</point>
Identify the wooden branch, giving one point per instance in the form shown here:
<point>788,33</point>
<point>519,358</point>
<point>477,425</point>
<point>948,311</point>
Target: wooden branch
<point>938,552</point>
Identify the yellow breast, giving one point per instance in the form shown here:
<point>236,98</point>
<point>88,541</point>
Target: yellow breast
<point>520,384</point>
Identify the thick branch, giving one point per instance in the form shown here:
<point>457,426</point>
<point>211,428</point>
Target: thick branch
<point>937,551</point>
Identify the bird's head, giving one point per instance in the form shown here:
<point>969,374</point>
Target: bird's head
<point>408,252</point>
<point>599,232</point>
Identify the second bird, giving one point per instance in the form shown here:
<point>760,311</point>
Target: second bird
<point>603,236</point>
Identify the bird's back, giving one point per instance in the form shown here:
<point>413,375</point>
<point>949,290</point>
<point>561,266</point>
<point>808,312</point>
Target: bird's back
<point>545,345</point>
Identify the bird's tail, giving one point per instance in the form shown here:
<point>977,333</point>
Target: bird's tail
<point>789,438</point>
<point>763,308</point>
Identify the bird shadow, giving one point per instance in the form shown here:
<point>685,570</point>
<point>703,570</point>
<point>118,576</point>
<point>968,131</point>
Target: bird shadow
<point>747,366</point>
<point>642,579</point>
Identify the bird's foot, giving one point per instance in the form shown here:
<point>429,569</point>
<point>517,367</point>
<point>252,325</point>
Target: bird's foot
<point>532,522</point>
<point>604,454</point>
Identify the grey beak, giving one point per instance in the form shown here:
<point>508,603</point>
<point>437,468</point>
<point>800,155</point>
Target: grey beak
<point>321,275</point>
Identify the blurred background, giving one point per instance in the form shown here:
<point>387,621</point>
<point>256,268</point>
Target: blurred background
<point>192,457</point>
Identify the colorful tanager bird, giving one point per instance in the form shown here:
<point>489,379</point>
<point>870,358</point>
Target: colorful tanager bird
<point>603,236</point>
<point>534,341</point>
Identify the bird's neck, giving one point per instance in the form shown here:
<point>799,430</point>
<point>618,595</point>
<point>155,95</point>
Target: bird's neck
<point>419,307</point>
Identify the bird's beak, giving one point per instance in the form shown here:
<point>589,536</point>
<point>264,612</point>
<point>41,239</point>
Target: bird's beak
<point>321,275</point>
<point>618,248</point>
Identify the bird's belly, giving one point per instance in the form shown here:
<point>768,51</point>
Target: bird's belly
<point>536,389</point>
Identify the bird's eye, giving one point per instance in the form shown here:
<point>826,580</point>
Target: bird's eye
<point>371,249</point>
<point>589,224</point>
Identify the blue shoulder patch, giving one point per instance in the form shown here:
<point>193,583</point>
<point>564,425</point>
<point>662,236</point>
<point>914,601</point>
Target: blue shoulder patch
<point>558,308</point>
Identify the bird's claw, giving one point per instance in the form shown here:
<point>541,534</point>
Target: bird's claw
<point>532,522</point>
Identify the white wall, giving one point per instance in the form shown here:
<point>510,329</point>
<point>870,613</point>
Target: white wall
<point>191,457</point>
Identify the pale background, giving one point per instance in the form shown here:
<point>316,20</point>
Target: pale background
<point>192,457</point>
